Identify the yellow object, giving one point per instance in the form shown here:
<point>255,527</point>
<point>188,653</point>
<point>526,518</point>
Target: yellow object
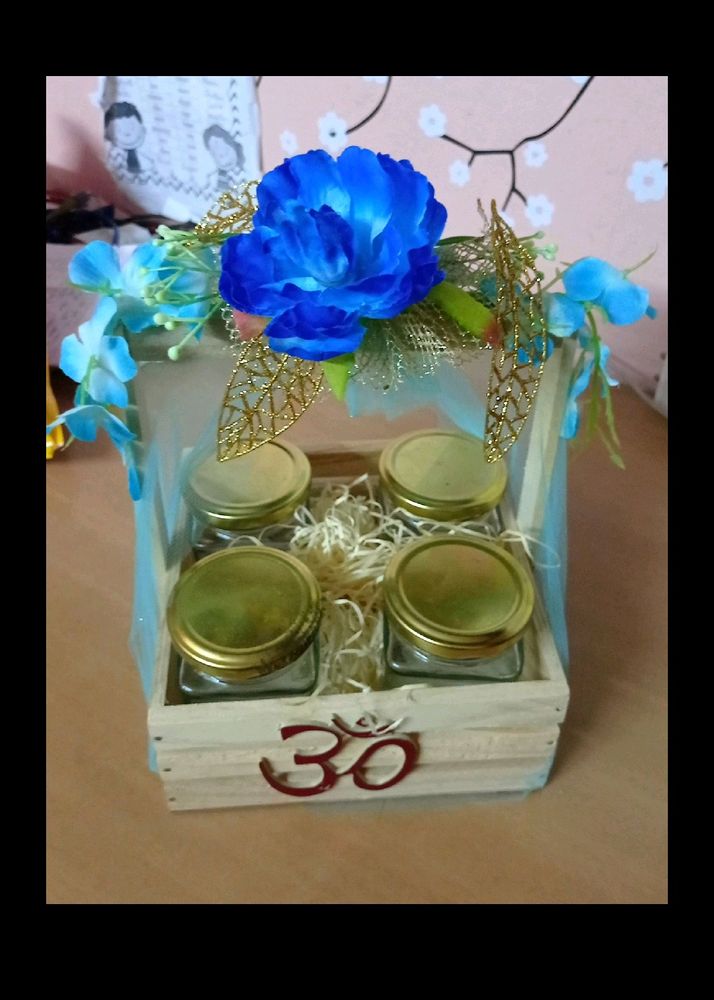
<point>517,363</point>
<point>265,487</point>
<point>244,613</point>
<point>441,474</point>
<point>55,439</point>
<point>458,598</point>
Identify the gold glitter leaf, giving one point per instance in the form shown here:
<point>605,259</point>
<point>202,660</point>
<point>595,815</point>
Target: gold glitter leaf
<point>232,213</point>
<point>267,393</point>
<point>517,363</point>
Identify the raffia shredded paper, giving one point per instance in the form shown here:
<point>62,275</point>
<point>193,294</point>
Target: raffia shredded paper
<point>347,538</point>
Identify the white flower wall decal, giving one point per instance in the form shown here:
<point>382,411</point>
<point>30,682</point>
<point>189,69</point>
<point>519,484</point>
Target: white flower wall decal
<point>375,79</point>
<point>288,142</point>
<point>539,210</point>
<point>459,173</point>
<point>535,154</point>
<point>580,79</point>
<point>648,180</point>
<point>432,121</point>
<point>333,132</point>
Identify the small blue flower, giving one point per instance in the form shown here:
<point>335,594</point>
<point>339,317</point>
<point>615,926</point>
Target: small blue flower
<point>84,422</point>
<point>106,358</point>
<point>356,235</point>
<point>96,269</point>
<point>593,280</point>
<point>563,315</point>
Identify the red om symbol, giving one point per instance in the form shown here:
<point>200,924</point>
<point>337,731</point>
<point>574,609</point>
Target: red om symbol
<point>330,776</point>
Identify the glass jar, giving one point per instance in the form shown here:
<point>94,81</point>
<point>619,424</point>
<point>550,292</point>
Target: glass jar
<point>442,475</point>
<point>245,623</point>
<point>251,497</point>
<point>454,611</point>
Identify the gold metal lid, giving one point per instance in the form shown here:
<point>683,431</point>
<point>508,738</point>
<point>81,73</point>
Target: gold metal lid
<point>458,599</point>
<point>263,487</point>
<point>243,613</point>
<point>441,474</point>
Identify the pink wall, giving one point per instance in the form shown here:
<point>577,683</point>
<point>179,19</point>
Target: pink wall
<point>586,189</point>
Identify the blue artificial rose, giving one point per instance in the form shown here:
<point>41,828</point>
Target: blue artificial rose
<point>334,241</point>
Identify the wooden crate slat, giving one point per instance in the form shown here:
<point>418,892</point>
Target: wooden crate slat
<point>441,747</point>
<point>452,779</point>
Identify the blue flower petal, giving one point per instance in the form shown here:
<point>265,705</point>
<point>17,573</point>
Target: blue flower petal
<point>118,432</point>
<point>82,421</point>
<point>587,278</point>
<point>114,356</point>
<point>318,244</point>
<point>315,333</point>
<point>107,389</point>
<point>415,212</point>
<point>184,314</point>
<point>583,380</point>
<point>143,268</point>
<point>101,323</point>
<point>74,357</point>
<point>563,315</point>
<point>371,193</point>
<point>276,192</point>
<point>571,420</point>
<point>604,358</point>
<point>247,279</point>
<point>96,266</point>
<point>319,182</point>
<point>132,472</point>
<point>624,302</point>
<point>136,315</point>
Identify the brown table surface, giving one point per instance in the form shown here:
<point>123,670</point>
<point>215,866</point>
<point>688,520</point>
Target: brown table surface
<point>597,832</point>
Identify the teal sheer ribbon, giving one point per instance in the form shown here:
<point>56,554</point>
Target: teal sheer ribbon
<point>146,616</point>
<point>552,579</point>
<point>160,540</point>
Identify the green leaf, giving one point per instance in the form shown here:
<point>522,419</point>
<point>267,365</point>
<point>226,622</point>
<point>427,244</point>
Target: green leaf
<point>453,240</point>
<point>337,373</point>
<point>614,454</point>
<point>609,413</point>
<point>471,315</point>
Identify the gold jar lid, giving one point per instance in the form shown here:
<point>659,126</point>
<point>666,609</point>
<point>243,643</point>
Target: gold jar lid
<point>243,613</point>
<point>441,474</point>
<point>458,599</point>
<point>263,487</point>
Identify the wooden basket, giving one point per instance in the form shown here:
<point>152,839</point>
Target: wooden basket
<point>498,737</point>
<point>472,739</point>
